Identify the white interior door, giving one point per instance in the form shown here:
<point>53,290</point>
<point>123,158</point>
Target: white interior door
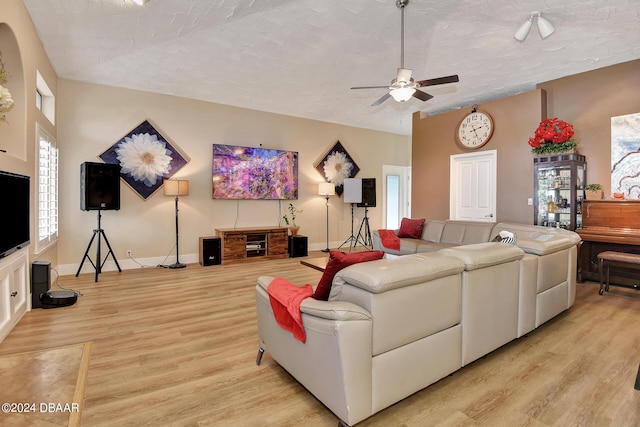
<point>473,186</point>
<point>396,190</point>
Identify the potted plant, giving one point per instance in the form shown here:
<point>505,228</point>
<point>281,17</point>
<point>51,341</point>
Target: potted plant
<point>593,191</point>
<point>292,223</point>
<point>553,136</point>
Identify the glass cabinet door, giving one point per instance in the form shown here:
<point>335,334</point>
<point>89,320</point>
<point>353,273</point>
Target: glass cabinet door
<point>559,190</point>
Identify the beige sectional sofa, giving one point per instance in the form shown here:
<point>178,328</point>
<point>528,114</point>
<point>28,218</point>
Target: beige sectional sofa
<point>394,326</point>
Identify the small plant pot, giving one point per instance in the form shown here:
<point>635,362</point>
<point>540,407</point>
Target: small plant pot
<point>593,194</point>
<point>294,230</point>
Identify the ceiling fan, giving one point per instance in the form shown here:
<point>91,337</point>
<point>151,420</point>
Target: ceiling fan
<point>403,87</point>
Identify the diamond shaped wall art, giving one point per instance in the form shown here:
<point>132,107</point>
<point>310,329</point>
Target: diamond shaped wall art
<point>146,159</point>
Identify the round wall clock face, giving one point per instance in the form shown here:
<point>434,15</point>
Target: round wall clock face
<point>475,130</point>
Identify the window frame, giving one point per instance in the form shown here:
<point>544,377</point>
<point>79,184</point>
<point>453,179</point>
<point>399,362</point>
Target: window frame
<point>47,190</point>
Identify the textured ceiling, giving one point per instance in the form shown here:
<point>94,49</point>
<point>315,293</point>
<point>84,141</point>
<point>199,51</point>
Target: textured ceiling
<point>300,57</point>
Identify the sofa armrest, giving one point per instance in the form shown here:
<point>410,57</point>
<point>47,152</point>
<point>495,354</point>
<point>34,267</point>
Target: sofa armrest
<point>334,310</point>
<point>335,363</point>
<point>330,310</point>
<point>537,240</point>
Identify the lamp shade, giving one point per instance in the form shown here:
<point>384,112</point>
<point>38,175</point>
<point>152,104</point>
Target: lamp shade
<point>176,187</point>
<point>523,31</point>
<point>326,189</point>
<point>402,94</point>
<point>545,28</point>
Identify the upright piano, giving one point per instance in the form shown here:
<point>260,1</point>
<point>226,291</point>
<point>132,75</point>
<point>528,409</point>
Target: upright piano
<point>609,225</point>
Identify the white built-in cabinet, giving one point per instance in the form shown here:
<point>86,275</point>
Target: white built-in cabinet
<point>14,290</point>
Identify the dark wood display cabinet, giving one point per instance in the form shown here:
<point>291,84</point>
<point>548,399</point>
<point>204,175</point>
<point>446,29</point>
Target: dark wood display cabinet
<point>559,182</point>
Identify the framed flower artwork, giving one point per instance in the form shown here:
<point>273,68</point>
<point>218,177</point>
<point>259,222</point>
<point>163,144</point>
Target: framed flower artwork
<point>337,165</point>
<point>146,158</point>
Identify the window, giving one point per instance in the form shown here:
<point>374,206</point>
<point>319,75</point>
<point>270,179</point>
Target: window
<point>38,100</point>
<point>47,191</point>
<point>45,101</point>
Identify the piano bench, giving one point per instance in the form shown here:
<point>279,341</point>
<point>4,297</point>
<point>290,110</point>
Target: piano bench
<point>610,259</point>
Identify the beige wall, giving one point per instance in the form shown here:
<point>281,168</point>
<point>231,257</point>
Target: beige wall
<point>434,143</point>
<point>93,117</point>
<point>586,100</point>
<point>23,55</point>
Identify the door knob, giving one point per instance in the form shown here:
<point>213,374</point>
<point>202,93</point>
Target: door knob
<point>489,216</point>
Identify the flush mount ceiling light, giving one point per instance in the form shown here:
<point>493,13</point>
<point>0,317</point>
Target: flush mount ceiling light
<point>141,2</point>
<point>544,27</point>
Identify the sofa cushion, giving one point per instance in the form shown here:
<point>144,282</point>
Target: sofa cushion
<point>483,255</point>
<point>432,230</point>
<point>337,261</point>
<point>432,247</point>
<point>453,232</point>
<point>397,272</point>
<point>466,232</point>
<point>477,233</point>
<point>411,228</point>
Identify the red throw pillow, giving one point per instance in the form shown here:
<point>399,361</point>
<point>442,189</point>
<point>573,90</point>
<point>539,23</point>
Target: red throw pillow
<point>337,261</point>
<point>411,228</point>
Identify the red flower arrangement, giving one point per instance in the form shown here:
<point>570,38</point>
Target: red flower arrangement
<point>552,136</point>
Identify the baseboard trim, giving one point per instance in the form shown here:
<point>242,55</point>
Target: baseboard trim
<point>127,264</point>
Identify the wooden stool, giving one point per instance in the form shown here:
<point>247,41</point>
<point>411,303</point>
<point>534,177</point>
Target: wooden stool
<point>615,259</point>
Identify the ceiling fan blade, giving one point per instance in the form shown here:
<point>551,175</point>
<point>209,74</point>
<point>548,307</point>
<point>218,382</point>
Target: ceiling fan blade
<point>371,87</point>
<point>422,96</point>
<point>439,81</point>
<point>381,100</point>
<point>404,75</point>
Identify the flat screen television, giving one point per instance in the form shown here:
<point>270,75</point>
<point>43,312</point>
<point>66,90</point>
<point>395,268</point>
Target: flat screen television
<point>249,173</point>
<point>14,214</point>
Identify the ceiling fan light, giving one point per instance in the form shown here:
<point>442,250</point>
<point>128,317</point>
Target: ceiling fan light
<point>402,94</point>
<point>545,28</point>
<point>523,31</point>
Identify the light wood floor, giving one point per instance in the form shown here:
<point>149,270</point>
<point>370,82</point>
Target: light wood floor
<point>178,347</point>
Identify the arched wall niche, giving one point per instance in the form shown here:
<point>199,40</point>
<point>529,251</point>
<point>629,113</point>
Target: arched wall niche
<point>13,137</point>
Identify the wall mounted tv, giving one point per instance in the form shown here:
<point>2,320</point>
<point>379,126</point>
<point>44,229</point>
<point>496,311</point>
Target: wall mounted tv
<point>249,173</point>
<point>14,214</point>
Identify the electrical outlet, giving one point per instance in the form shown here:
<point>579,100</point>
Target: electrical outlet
<point>128,253</point>
<point>530,201</point>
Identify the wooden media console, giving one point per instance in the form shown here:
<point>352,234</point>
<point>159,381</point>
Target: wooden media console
<point>241,244</point>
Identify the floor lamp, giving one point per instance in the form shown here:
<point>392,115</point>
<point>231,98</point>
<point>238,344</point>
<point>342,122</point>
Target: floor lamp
<point>176,187</point>
<point>327,189</point>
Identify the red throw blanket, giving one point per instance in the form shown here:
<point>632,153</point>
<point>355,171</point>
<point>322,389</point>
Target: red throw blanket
<point>285,299</point>
<point>389,239</point>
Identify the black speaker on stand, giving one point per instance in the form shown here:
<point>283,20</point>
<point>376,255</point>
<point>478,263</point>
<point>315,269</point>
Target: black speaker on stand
<point>368,201</point>
<point>99,190</point>
<point>40,282</point>
<point>368,193</point>
<point>99,186</point>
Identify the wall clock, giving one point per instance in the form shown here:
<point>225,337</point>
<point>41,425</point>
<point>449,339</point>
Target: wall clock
<point>475,129</point>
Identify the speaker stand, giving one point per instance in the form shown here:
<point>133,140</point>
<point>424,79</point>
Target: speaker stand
<point>99,263</point>
<point>352,240</point>
<point>366,237</point>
